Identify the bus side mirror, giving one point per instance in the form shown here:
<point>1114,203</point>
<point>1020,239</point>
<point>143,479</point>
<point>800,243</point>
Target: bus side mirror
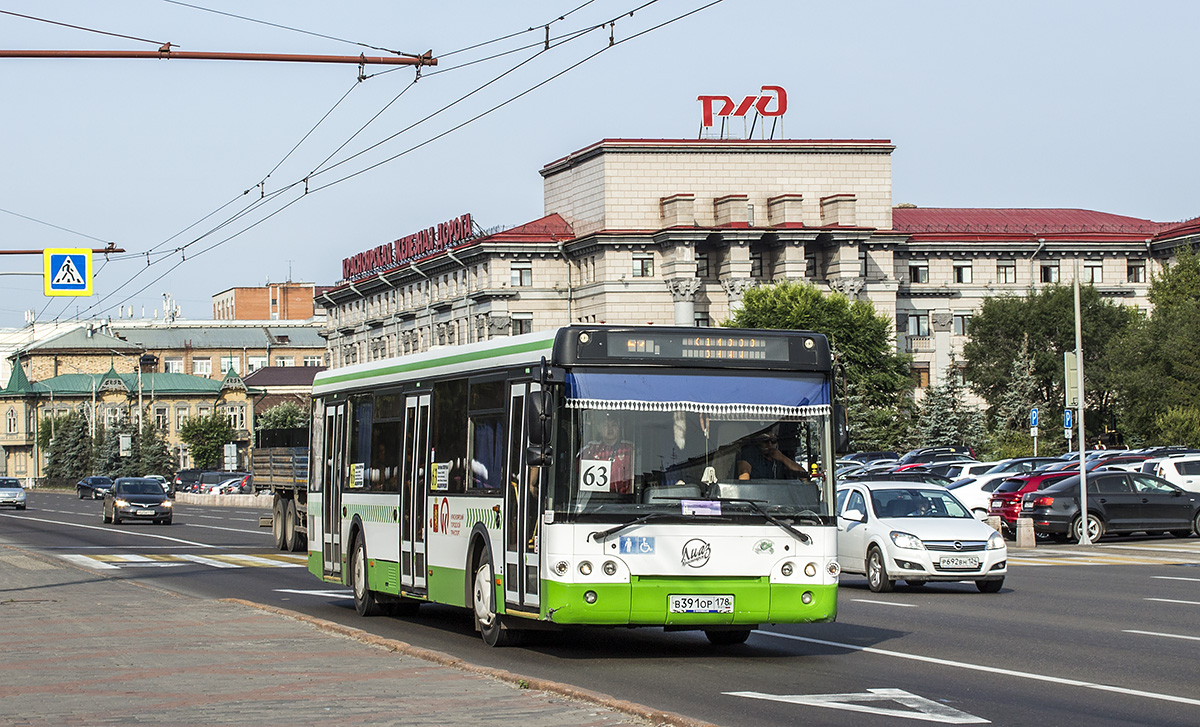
<point>537,428</point>
<point>841,430</point>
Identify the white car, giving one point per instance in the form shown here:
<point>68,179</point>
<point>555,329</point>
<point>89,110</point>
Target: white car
<point>1181,470</point>
<point>959,470</point>
<point>12,493</point>
<point>894,530</point>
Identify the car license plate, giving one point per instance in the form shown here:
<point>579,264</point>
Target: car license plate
<point>1027,506</point>
<point>951,562</point>
<point>701,604</point>
<point>998,504</point>
<point>145,512</point>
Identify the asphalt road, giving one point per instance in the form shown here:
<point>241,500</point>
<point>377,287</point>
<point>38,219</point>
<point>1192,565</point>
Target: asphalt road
<point>1114,641</point>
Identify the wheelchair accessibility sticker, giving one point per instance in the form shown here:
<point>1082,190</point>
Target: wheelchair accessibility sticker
<point>637,546</point>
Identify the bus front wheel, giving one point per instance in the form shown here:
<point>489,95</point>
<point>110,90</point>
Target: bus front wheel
<point>484,601</point>
<point>364,600</point>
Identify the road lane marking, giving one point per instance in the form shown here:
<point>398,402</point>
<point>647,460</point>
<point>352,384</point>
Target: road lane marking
<point>920,708</point>
<point>1166,636</point>
<point>989,669</point>
<point>232,530</point>
<point>1177,578</point>
<point>1172,600</point>
<point>885,603</point>
<point>104,561</point>
<point>321,593</point>
<point>112,529</point>
<point>86,561</point>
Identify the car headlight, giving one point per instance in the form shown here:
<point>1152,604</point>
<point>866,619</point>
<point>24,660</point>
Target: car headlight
<point>167,503</point>
<point>905,540</point>
<point>121,503</point>
<point>995,542</point>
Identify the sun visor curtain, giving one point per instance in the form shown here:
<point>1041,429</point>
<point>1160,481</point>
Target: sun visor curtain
<point>713,395</point>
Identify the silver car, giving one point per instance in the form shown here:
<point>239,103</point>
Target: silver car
<point>12,494</point>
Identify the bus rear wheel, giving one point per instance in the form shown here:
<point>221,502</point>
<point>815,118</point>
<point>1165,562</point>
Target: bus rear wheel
<point>484,601</point>
<point>364,600</point>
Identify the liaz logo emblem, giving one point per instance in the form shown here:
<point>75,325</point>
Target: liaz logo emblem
<point>764,547</point>
<point>761,104</point>
<point>696,553</point>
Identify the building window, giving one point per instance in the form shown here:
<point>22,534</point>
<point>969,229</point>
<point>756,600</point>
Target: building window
<point>1050,272</point>
<point>756,264</point>
<point>522,274</point>
<point>181,417</point>
<point>962,271</point>
<point>918,324</point>
<point>254,363</point>
<point>21,463</point>
<point>231,362</point>
<point>314,361</point>
<point>1093,271</point>
<point>862,263</point>
<point>522,323</point>
<point>702,320</point>
<point>173,365</point>
<point>643,265</point>
<point>203,410</point>
<point>285,360</point>
<point>161,418</point>
<point>1136,272</point>
<point>921,374</point>
<point>10,421</point>
<point>702,270</point>
<point>202,366</point>
<point>1006,271</point>
<point>918,272</point>
<point>961,322</point>
<point>237,415</point>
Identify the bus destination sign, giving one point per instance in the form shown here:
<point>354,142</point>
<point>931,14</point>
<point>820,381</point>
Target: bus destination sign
<point>692,347</point>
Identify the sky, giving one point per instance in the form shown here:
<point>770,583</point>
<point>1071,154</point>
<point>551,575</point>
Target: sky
<point>197,169</point>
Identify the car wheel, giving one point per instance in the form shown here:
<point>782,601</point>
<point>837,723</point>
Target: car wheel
<point>484,605</point>
<point>364,600</point>
<point>727,637</point>
<point>80,491</point>
<point>877,575</point>
<point>116,520</point>
<point>1095,528</point>
<point>990,586</point>
<point>1196,525</point>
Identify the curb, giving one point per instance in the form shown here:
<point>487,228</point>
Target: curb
<point>633,709</point>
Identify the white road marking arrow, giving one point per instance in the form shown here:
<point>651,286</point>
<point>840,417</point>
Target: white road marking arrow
<point>917,707</point>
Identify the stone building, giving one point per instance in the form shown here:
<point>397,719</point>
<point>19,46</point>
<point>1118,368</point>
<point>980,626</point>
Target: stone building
<point>676,231</point>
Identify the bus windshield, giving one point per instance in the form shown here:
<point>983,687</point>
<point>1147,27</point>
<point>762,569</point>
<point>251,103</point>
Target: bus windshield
<point>740,445</point>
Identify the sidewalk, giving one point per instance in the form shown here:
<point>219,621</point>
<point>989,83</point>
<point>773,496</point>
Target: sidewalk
<point>83,649</point>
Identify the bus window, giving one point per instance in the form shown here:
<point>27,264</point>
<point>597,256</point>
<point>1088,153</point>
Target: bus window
<point>360,444</point>
<point>449,438</point>
<point>383,474</point>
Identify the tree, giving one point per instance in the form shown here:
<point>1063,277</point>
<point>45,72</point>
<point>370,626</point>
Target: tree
<point>1010,438</point>
<point>154,456</point>
<point>1159,357</point>
<point>69,453</point>
<point>206,438</point>
<point>944,418</point>
<point>1179,425</point>
<point>878,381</point>
<point>287,415</point>
<point>1046,320</point>
<point>110,462</point>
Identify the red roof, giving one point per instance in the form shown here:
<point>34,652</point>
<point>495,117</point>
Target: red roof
<point>1019,221</point>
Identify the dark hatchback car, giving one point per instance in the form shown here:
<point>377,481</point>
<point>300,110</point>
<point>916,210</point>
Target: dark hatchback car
<point>1118,502</point>
<point>93,487</point>
<point>137,498</point>
<point>187,480</point>
<point>893,475</point>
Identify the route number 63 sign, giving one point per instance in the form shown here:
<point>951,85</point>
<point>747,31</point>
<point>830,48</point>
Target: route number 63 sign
<point>595,475</point>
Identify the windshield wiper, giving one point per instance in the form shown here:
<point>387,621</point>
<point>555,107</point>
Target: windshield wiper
<point>600,536</point>
<point>754,504</point>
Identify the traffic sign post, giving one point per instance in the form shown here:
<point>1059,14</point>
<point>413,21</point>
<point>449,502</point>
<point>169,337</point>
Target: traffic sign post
<point>1033,428</point>
<point>67,272</point>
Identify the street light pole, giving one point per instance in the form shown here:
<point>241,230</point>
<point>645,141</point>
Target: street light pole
<point>1084,536</point>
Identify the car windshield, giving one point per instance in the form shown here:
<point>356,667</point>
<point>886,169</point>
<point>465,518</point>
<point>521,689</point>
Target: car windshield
<point>9,482</point>
<point>688,458</point>
<point>138,487</point>
<point>914,502</point>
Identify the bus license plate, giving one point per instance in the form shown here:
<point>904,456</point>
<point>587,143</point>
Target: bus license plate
<point>701,604</point>
<point>959,562</point>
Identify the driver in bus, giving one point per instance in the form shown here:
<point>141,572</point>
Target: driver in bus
<point>761,459</point>
<point>611,448</point>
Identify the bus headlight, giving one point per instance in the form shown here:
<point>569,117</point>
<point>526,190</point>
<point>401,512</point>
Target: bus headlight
<point>833,568</point>
<point>585,568</point>
<point>590,597</point>
<point>810,570</point>
<point>561,567</point>
<point>610,568</point>
<point>786,569</point>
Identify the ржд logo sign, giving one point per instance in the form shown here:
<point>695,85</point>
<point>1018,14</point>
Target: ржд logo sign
<point>758,103</point>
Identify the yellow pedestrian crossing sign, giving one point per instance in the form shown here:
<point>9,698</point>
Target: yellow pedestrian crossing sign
<point>67,271</point>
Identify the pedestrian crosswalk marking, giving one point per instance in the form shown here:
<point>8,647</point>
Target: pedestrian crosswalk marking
<point>109,561</point>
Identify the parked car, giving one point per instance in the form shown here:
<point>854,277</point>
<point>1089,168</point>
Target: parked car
<point>167,485</point>
<point>1006,498</point>
<point>959,470</point>
<point>1118,502</point>
<point>94,486</point>
<point>933,454</point>
<point>910,475</point>
<point>137,498</point>
<point>976,492</point>
<point>890,531</point>
<point>12,493</point>
<point>219,482</point>
<point>1181,470</point>
<point>187,480</point>
<point>868,457</point>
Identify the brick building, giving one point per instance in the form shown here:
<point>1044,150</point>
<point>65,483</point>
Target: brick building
<point>273,302</point>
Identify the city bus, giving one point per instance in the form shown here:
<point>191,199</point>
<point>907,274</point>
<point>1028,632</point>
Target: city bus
<point>673,477</point>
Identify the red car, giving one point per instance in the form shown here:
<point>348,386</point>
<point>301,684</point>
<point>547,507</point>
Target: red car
<point>1006,498</point>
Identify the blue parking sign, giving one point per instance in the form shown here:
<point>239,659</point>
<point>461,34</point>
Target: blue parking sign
<point>1067,419</point>
<point>1033,417</point>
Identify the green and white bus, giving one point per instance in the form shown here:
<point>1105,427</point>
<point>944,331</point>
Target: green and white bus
<point>591,475</point>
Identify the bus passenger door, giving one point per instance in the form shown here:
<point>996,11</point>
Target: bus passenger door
<point>333,463</point>
<point>522,509</point>
<point>414,490</point>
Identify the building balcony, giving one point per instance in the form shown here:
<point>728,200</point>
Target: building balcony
<point>918,344</point>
